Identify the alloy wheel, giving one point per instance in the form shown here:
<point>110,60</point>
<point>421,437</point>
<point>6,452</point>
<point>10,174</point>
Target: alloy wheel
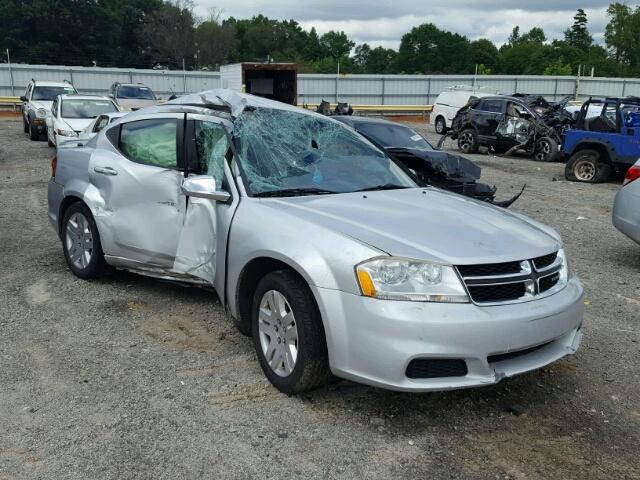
<point>278,333</point>
<point>79,240</point>
<point>543,151</point>
<point>466,140</point>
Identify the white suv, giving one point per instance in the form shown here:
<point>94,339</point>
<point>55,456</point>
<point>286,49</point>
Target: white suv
<point>36,104</point>
<point>449,102</point>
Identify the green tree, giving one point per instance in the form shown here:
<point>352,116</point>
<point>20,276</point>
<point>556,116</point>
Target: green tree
<point>578,35</point>
<point>336,44</point>
<point>214,40</point>
<point>558,68</point>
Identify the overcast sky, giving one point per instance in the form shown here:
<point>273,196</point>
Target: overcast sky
<point>379,22</point>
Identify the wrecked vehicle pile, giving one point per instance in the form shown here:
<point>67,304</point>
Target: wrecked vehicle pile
<point>431,167</point>
<point>505,125</point>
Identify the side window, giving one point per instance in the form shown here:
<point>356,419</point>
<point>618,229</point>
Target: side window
<point>212,145</point>
<point>151,142</point>
<point>28,92</point>
<point>494,106</point>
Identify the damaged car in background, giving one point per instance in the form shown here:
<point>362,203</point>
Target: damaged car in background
<point>318,244</point>
<point>504,125</point>
<point>430,166</point>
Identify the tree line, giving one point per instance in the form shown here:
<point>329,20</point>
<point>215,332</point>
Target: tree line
<point>168,34</point>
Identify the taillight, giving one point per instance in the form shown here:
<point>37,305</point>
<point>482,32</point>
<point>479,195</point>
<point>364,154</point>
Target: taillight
<point>54,166</point>
<point>632,174</point>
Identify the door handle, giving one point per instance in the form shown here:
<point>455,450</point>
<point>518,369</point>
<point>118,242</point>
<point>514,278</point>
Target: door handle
<point>105,171</point>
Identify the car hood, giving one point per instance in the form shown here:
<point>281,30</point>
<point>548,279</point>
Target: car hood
<point>426,223</point>
<point>36,104</point>
<point>78,124</point>
<point>135,103</point>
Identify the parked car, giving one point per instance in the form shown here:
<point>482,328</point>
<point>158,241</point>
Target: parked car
<point>318,244</point>
<point>504,124</point>
<point>132,96</point>
<point>448,103</point>
<point>602,143</point>
<point>430,166</point>
<point>626,206</point>
<point>70,114</point>
<point>100,122</point>
<point>36,104</point>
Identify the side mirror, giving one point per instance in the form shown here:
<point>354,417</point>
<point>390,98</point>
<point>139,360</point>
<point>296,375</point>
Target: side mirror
<point>111,95</point>
<point>23,98</point>
<point>204,186</point>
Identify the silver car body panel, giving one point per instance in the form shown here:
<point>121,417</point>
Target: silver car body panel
<point>626,209</point>
<point>155,230</point>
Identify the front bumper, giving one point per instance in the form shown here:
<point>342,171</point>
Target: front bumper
<point>372,341</point>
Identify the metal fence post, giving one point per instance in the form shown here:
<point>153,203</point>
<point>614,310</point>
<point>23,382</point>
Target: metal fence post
<point>428,90</point>
<point>10,73</point>
<point>383,90</point>
<point>555,91</point>
<point>624,87</point>
<point>515,88</point>
<point>71,76</point>
<point>130,76</point>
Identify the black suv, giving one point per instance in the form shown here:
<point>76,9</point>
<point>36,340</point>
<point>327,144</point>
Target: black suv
<point>504,124</point>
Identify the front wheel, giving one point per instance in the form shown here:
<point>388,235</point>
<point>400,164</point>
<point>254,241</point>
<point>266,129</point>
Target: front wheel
<point>440,126</point>
<point>468,141</point>
<point>545,150</point>
<point>585,166</point>
<point>81,242</point>
<point>33,133</point>
<point>288,334</point>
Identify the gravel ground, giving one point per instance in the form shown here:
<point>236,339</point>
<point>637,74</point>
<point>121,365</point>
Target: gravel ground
<point>130,377</point>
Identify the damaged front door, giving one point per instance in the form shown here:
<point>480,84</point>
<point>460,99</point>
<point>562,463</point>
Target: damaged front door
<point>202,243</point>
<point>139,183</point>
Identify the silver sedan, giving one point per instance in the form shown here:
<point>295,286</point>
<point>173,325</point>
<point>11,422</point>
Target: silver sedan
<point>319,245</point>
<point>626,206</point>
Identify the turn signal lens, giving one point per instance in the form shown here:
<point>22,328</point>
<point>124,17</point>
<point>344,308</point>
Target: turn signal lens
<point>366,283</point>
<point>632,174</point>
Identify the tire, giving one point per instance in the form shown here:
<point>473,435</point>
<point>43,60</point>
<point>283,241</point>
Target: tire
<point>25,126</point>
<point>545,150</point>
<point>90,262</point>
<point>33,134</point>
<point>440,126</point>
<point>309,358</point>
<point>585,166</point>
<point>468,141</point>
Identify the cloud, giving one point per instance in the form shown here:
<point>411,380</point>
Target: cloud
<point>383,23</point>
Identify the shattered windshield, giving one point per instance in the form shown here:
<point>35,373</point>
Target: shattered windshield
<point>282,150</point>
<point>393,136</point>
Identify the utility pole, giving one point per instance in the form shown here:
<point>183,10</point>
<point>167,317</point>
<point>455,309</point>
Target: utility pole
<point>10,73</point>
<point>337,84</point>
<point>577,86</point>
<point>184,77</point>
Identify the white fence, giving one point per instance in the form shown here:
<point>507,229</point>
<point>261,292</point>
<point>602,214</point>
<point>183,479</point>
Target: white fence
<point>312,88</point>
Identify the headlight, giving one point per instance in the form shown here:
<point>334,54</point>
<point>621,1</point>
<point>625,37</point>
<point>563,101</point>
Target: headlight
<point>66,133</point>
<point>392,278</point>
<point>564,272</point>
<point>41,112</point>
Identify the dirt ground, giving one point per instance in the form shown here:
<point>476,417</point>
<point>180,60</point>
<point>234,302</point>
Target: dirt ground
<point>130,377</point>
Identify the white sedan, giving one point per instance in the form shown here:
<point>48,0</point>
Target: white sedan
<point>71,114</point>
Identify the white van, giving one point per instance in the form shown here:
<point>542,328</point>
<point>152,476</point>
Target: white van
<point>449,102</point>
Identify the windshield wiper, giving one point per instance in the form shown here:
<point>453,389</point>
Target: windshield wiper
<point>292,192</point>
<point>386,186</point>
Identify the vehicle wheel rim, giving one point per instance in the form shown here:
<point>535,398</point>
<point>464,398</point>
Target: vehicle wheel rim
<point>465,141</point>
<point>278,333</point>
<point>79,240</point>
<point>585,170</point>
<point>543,151</point>
<point>439,126</point>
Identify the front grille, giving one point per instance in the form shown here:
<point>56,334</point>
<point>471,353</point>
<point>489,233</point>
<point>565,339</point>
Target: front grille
<point>545,261</point>
<point>497,293</point>
<point>546,283</point>
<point>510,281</point>
<point>487,269</point>
<point>436,368</point>
<point>510,355</point>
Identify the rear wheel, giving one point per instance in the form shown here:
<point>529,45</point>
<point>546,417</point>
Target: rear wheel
<point>585,166</point>
<point>81,242</point>
<point>288,334</point>
<point>545,150</point>
<point>468,141</point>
<point>440,126</point>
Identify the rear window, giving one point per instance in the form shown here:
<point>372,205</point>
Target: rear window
<point>494,106</point>
<point>132,91</point>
